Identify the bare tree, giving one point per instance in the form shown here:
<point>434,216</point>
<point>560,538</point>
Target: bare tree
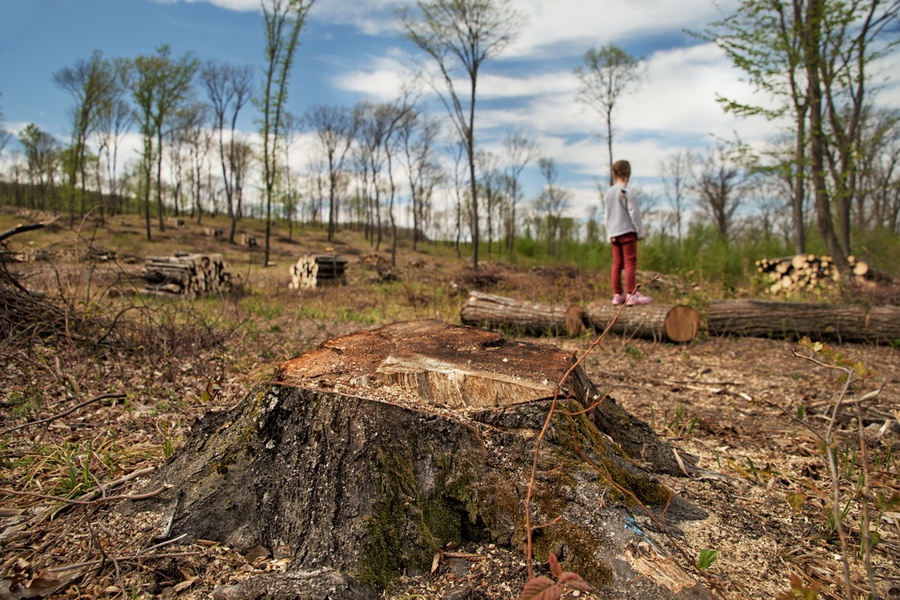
<point>457,152</point>
<point>552,203</point>
<point>459,36</point>
<point>519,152</point>
<point>228,88</point>
<point>335,129</point>
<point>605,75</point>
<point>42,159</point>
<point>291,197</point>
<point>676,173</point>
<point>491,189</point>
<point>417,135</point>
<point>721,186</point>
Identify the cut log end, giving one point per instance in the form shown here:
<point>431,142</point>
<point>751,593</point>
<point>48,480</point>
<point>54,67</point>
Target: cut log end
<point>682,324</point>
<point>574,320</point>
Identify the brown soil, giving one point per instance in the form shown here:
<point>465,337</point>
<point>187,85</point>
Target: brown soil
<point>727,405</point>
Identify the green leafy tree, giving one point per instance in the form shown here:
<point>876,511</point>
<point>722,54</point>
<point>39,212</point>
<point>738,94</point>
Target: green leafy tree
<point>459,36</point>
<point>816,59</point>
<point>605,75</point>
<point>160,86</point>
<point>42,158</point>
<point>92,83</point>
<point>283,20</point>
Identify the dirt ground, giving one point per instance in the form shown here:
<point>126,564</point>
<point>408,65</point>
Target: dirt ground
<point>745,415</point>
<point>724,404</point>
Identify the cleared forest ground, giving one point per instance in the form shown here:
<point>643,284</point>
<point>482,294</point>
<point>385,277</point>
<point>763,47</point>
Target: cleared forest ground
<point>101,389</point>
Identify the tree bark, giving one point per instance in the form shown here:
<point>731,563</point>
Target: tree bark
<point>527,318</point>
<point>657,322</point>
<point>370,454</point>
<point>794,320</point>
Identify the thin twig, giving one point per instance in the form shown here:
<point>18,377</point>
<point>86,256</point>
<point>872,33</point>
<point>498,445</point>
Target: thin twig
<point>62,414</point>
<point>150,494</point>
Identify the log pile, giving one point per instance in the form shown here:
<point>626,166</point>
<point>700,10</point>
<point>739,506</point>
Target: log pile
<point>315,269</point>
<point>194,275</point>
<point>808,272</point>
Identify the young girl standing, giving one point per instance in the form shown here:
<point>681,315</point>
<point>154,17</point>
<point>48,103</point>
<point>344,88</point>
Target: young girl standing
<point>624,228</point>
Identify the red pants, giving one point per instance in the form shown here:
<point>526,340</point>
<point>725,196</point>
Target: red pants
<point>624,251</point>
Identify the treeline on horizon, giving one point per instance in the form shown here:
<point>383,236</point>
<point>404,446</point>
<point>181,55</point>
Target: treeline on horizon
<point>830,185</point>
<point>701,252</point>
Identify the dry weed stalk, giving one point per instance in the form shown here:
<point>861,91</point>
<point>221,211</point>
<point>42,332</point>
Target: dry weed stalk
<point>542,588</point>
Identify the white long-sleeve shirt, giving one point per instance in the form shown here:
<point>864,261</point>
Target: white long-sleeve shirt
<point>623,215</point>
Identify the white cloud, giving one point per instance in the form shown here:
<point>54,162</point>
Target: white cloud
<point>571,22</point>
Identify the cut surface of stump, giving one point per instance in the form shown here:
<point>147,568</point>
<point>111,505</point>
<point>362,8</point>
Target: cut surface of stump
<point>372,453</point>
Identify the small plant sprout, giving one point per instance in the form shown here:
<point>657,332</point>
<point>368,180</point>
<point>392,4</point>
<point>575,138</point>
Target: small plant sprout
<point>707,558</point>
<point>544,588</point>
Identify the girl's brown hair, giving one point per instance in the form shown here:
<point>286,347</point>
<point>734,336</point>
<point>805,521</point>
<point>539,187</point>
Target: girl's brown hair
<point>621,169</point>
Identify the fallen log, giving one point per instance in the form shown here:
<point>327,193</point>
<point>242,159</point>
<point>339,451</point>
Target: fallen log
<point>527,318</point>
<point>657,322</point>
<point>794,320</point>
<point>367,456</point>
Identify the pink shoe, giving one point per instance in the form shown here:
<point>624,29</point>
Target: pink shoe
<point>637,298</point>
<point>618,299</point>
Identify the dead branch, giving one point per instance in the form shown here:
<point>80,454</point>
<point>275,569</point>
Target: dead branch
<point>62,414</point>
<point>149,494</point>
<point>20,229</point>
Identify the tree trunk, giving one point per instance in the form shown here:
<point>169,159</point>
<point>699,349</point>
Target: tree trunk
<point>370,454</point>
<point>527,318</point>
<point>657,322</point>
<point>795,320</point>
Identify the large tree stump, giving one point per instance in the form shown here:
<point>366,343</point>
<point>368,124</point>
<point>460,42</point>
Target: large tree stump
<point>371,453</point>
<point>526,318</point>
<point>794,320</point>
<point>657,322</point>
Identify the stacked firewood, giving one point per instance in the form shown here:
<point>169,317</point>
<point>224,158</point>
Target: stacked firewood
<point>314,269</point>
<point>808,272</point>
<point>194,275</point>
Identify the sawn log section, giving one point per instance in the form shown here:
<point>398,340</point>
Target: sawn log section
<point>535,318</point>
<point>797,320</point>
<point>656,321</point>
<point>679,323</point>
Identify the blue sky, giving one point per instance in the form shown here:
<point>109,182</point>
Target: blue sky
<point>352,50</point>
